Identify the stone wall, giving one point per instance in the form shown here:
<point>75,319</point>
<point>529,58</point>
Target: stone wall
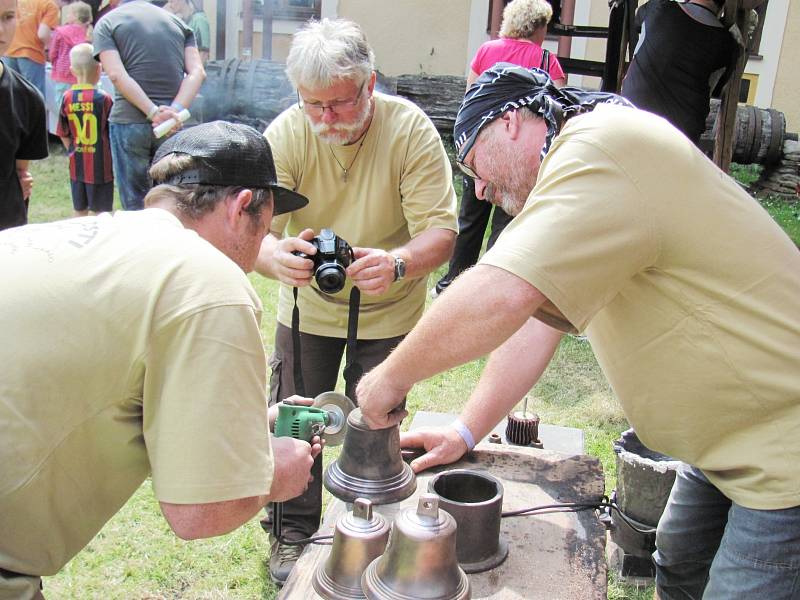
<point>783,178</point>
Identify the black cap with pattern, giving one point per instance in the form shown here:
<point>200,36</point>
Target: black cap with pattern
<point>505,86</point>
<point>229,154</point>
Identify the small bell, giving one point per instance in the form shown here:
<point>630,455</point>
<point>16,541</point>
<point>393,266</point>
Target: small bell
<point>359,538</point>
<point>420,560</point>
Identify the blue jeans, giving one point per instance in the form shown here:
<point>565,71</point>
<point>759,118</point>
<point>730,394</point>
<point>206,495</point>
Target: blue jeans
<point>29,69</point>
<point>709,547</point>
<point>133,146</point>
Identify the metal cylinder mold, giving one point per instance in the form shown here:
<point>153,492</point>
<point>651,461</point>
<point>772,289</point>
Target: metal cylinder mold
<point>370,465</point>
<point>420,560</point>
<point>359,538</point>
<point>475,500</point>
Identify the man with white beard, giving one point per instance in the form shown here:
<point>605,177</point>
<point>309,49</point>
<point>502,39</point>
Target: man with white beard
<point>376,173</point>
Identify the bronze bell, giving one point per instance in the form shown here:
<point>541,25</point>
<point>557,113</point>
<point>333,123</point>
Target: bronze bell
<point>475,500</point>
<point>359,538</point>
<point>420,559</point>
<point>370,465</point>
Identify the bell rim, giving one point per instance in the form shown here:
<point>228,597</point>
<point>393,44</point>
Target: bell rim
<point>348,487</point>
<point>380,591</point>
<point>329,589</point>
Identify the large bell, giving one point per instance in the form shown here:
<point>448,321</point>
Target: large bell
<point>370,465</point>
<point>475,500</point>
<point>359,538</point>
<point>420,559</point>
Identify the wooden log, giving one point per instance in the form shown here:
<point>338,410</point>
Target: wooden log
<point>438,95</point>
<point>758,134</point>
<point>246,91</point>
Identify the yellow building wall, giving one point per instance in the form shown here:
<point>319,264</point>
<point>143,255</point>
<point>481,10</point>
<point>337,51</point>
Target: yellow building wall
<point>280,45</point>
<point>786,94</point>
<point>413,36</point>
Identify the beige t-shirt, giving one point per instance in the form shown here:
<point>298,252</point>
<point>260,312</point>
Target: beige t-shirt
<point>688,290</point>
<point>398,186</point>
<point>131,347</point>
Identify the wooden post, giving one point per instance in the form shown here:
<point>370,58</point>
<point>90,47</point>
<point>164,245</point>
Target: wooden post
<point>247,29</point>
<point>266,31</point>
<point>495,17</point>
<point>567,18</point>
<point>222,14</point>
<point>615,46</point>
<point>726,118</point>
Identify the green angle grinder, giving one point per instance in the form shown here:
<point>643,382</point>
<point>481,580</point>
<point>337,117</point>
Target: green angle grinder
<point>326,417</point>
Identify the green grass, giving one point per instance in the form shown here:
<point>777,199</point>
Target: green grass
<point>137,556</point>
<point>785,212</point>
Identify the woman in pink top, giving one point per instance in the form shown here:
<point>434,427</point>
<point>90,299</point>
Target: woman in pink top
<point>76,30</point>
<point>521,36</point>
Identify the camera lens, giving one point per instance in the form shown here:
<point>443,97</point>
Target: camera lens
<point>330,278</point>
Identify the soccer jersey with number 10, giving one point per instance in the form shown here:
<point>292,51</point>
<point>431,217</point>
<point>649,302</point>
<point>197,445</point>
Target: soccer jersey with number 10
<point>84,119</point>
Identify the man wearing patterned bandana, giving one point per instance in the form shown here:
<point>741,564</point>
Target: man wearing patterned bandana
<point>698,334</point>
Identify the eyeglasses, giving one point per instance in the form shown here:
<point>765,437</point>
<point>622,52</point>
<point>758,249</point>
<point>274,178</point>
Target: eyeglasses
<point>468,170</point>
<point>338,106</point>
<point>461,157</point>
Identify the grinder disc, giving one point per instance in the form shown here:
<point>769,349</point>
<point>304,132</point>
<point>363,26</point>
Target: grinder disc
<point>338,406</point>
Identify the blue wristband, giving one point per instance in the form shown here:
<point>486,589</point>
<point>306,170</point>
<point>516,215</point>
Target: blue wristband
<point>465,433</point>
<point>177,106</point>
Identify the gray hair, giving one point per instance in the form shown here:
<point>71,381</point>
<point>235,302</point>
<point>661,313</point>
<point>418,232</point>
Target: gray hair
<point>195,201</point>
<point>327,50</point>
<point>521,18</point>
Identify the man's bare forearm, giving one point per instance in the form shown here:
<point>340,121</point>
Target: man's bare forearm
<point>511,371</point>
<point>196,521</point>
<point>195,75</point>
<point>484,307</point>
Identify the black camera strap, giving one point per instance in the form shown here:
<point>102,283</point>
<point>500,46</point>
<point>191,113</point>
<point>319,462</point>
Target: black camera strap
<point>297,365</point>
<point>352,368</point>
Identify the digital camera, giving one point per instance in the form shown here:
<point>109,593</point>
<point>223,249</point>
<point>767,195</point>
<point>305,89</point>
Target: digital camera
<point>333,256</point>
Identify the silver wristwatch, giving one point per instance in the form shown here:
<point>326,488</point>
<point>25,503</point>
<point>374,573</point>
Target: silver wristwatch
<point>399,268</point>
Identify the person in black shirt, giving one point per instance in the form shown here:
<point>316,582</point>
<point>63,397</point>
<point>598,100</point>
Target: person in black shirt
<point>684,53</point>
<point>23,130</point>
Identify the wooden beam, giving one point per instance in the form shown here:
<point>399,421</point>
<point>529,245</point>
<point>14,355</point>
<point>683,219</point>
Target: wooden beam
<point>247,29</point>
<point>222,14</point>
<point>266,31</point>
<point>726,118</point>
<point>567,18</point>
<point>495,17</point>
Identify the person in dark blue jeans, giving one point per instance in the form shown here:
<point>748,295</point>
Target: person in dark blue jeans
<point>146,52</point>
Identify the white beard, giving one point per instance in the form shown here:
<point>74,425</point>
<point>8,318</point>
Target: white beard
<point>505,200</point>
<point>341,134</point>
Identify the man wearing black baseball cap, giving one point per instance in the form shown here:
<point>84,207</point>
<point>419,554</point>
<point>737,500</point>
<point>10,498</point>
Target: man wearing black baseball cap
<point>223,161</point>
<point>137,352</point>
<point>687,289</point>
